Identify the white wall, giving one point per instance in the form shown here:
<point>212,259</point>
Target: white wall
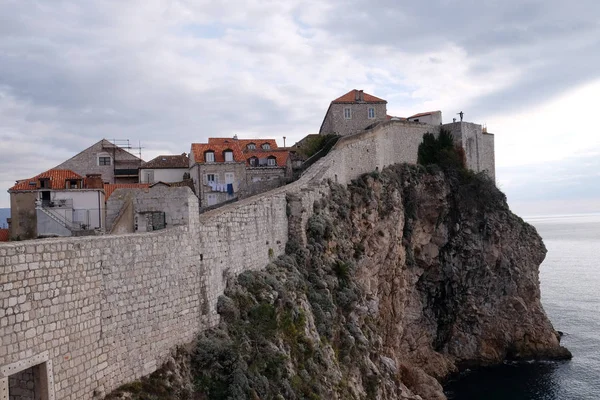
<point>163,174</point>
<point>92,200</point>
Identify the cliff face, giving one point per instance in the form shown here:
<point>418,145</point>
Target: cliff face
<point>409,274</point>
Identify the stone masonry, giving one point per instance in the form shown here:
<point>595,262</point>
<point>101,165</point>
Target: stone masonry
<point>103,311</point>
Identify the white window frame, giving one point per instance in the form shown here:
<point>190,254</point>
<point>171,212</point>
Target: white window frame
<point>211,199</point>
<point>104,155</point>
<point>347,113</point>
<point>229,177</point>
<point>228,155</point>
<point>266,146</point>
<point>371,113</point>
<point>214,176</point>
<point>209,157</point>
<point>271,162</point>
<point>251,146</point>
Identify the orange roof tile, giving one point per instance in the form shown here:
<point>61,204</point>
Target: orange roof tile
<point>168,161</point>
<point>57,177</point>
<point>350,97</point>
<point>281,156</point>
<point>243,143</point>
<point>422,114</point>
<point>109,188</point>
<point>4,235</point>
<point>218,147</point>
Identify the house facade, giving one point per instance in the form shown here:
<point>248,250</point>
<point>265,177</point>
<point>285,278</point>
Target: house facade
<point>228,168</point>
<point>218,170</point>
<point>57,202</point>
<point>165,168</point>
<point>112,162</point>
<point>353,112</point>
<point>430,118</point>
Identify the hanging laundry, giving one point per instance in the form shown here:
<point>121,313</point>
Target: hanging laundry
<point>230,189</point>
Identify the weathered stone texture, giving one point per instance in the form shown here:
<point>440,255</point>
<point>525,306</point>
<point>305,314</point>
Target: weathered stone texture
<point>478,146</point>
<point>109,309</point>
<point>335,122</point>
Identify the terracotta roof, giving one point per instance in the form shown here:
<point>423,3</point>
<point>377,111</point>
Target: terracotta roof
<point>109,188</point>
<point>57,179</point>
<point>422,114</point>
<point>4,235</point>
<point>218,146</point>
<point>350,97</point>
<point>179,161</point>
<point>281,156</point>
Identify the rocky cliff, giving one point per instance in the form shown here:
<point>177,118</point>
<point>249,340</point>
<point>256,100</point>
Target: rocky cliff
<point>409,275</point>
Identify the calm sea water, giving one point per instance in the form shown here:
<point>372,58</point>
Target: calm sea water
<point>570,284</point>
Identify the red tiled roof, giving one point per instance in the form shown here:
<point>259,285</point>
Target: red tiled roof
<point>109,188</point>
<point>3,235</point>
<point>422,114</point>
<point>57,177</point>
<point>243,143</point>
<point>218,146</point>
<point>350,97</point>
<point>281,156</point>
<point>178,161</point>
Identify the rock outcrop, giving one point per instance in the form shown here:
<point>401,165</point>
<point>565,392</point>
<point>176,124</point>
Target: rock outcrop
<point>409,275</point>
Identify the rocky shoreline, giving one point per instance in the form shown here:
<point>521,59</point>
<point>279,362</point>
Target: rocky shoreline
<point>410,275</point>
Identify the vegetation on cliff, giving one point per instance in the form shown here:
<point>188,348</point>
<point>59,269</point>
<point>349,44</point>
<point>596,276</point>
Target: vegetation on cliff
<point>408,274</point>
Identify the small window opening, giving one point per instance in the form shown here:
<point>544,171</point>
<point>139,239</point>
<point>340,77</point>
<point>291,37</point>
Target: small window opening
<point>347,113</point>
<point>103,160</point>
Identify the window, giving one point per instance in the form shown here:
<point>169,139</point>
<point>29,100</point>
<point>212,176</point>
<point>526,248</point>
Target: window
<point>228,155</point>
<point>271,161</point>
<point>251,146</point>
<point>229,177</point>
<point>266,146</point>
<point>45,183</point>
<point>253,161</point>
<point>347,113</point>
<point>209,156</point>
<point>73,184</point>
<point>103,160</point>
<point>212,199</point>
<point>371,113</point>
<point>212,178</point>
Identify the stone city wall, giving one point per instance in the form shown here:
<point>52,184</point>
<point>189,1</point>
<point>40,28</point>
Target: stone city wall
<point>107,310</point>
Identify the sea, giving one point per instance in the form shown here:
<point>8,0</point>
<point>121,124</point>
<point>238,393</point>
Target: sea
<point>570,287</point>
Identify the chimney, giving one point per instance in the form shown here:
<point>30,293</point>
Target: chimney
<point>359,95</point>
<point>93,181</point>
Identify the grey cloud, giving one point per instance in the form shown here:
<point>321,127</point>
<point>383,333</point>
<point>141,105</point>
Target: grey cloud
<point>74,73</point>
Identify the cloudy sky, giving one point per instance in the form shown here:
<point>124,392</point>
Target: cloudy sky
<point>168,73</point>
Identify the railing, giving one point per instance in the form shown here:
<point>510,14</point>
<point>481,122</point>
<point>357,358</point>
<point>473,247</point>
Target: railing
<point>317,156</point>
<point>126,172</point>
<point>66,216</point>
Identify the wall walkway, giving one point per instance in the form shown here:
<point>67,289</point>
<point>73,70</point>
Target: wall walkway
<point>107,310</point>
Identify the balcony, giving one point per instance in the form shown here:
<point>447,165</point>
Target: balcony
<point>126,172</point>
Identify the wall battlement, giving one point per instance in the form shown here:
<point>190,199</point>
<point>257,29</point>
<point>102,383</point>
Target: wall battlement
<point>108,310</point>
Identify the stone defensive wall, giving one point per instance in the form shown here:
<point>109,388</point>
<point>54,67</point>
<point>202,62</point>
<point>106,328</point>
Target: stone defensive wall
<point>82,316</point>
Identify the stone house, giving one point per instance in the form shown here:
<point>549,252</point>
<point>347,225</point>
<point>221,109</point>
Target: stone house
<point>112,162</point>
<point>430,118</point>
<point>165,168</point>
<point>218,170</point>
<point>57,202</point>
<point>353,112</point>
<point>228,168</point>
